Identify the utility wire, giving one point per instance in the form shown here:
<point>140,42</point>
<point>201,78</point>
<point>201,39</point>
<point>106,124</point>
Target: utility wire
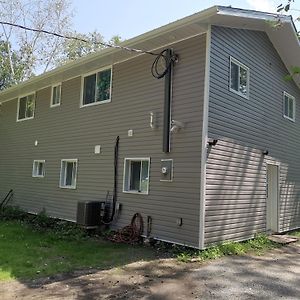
<point>78,39</point>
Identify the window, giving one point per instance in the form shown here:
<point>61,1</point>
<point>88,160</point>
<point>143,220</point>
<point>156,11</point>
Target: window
<point>136,175</point>
<point>68,173</point>
<point>97,88</point>
<point>289,106</point>
<point>38,168</point>
<point>56,95</point>
<point>26,106</point>
<point>239,78</point>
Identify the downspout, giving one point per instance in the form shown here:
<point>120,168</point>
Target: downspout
<point>204,140</point>
<point>167,101</point>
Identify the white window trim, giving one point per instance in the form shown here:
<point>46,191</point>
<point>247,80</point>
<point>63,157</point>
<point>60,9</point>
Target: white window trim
<point>33,168</point>
<point>294,106</point>
<point>73,187</point>
<point>52,87</point>
<point>235,61</point>
<point>22,96</point>
<point>82,87</point>
<point>124,175</point>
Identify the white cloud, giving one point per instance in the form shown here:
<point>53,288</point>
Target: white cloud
<point>263,5</point>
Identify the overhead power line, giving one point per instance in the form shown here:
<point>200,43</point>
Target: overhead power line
<point>78,39</point>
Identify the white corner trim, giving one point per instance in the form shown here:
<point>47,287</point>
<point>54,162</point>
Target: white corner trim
<point>204,141</point>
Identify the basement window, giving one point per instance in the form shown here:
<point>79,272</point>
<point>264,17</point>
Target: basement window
<point>136,175</point>
<point>68,173</point>
<point>26,107</point>
<point>38,168</point>
<point>239,78</point>
<point>97,87</point>
<point>289,106</point>
<point>56,95</point>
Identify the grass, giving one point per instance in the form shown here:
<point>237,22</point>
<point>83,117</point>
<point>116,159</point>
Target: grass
<point>295,233</point>
<point>39,246</point>
<point>27,254</point>
<point>258,245</point>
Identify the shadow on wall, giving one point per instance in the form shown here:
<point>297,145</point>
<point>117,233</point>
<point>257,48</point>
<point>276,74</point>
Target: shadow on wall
<point>290,202</point>
<point>236,192</point>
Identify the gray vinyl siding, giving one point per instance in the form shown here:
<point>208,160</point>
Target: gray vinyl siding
<point>236,168</point>
<point>68,132</point>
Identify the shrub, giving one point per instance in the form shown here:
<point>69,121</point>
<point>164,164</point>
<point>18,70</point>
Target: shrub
<point>41,222</point>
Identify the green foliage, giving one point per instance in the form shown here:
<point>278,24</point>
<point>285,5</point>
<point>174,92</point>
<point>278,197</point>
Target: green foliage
<point>295,233</point>
<point>73,49</point>
<point>10,59</point>
<point>257,245</point>
<point>41,222</point>
<point>26,253</point>
<point>184,257</point>
<point>12,213</point>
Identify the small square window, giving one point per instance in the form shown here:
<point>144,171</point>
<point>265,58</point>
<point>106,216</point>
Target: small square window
<point>68,173</point>
<point>289,106</point>
<point>97,88</point>
<point>56,95</point>
<point>239,78</point>
<point>26,107</point>
<point>38,168</point>
<point>136,175</point>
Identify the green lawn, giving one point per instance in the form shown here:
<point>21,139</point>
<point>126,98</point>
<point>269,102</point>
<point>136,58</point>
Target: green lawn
<point>27,254</point>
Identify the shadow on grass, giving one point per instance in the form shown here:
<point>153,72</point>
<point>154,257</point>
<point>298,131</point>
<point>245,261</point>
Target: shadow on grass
<point>26,254</point>
<point>268,277</point>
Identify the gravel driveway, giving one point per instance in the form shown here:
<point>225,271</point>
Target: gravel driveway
<point>276,275</point>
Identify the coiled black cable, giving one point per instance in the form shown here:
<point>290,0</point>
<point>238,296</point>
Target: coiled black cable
<point>156,72</point>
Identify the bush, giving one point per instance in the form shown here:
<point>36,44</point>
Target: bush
<point>41,222</point>
<point>12,213</point>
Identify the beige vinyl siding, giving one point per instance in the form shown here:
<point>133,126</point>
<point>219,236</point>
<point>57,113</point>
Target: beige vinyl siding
<point>71,132</point>
<point>236,168</point>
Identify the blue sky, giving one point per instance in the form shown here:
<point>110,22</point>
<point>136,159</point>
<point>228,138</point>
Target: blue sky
<point>129,18</point>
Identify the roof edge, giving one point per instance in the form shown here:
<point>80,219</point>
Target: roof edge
<point>128,43</point>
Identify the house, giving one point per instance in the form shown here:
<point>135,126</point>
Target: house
<point>208,153</point>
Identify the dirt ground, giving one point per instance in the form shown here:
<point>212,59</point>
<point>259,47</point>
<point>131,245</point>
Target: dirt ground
<point>275,275</point>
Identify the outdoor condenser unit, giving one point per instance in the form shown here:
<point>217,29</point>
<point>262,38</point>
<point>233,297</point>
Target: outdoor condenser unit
<point>89,213</point>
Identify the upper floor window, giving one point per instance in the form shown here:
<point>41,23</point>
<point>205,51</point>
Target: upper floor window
<point>136,175</point>
<point>38,168</point>
<point>97,87</point>
<point>289,106</point>
<point>239,78</point>
<point>26,106</point>
<point>56,95</point>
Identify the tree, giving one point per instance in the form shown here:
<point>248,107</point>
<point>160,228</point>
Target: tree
<point>35,51</point>
<point>9,60</point>
<point>25,53</point>
<point>73,49</point>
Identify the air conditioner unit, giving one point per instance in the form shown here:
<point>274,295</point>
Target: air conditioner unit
<point>89,213</point>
